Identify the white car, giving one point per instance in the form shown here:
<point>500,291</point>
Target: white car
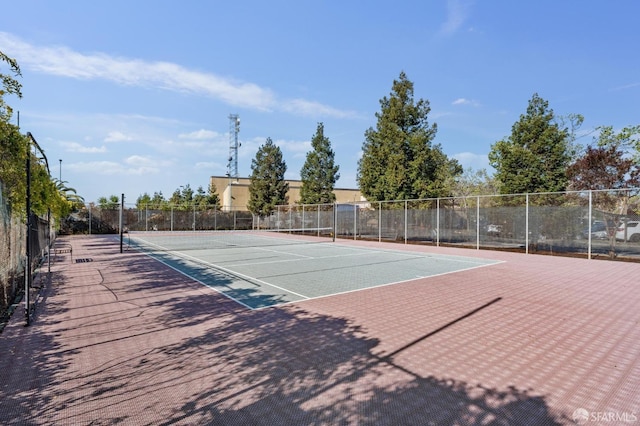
<point>629,231</point>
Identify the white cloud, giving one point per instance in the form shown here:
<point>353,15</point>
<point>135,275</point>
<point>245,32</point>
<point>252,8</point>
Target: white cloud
<point>311,108</point>
<point>199,135</point>
<point>65,62</point>
<point>464,101</point>
<point>76,147</point>
<point>297,148</point>
<point>457,14</point>
<point>146,162</point>
<point>110,168</point>
<point>118,137</point>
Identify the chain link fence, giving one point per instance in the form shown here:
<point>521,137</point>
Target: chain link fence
<point>14,259</point>
<point>586,224</point>
<point>592,224</point>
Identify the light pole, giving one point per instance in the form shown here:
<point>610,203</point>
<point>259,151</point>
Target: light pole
<point>60,178</point>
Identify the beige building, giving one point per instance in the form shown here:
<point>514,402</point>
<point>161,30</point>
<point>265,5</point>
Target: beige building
<point>234,193</point>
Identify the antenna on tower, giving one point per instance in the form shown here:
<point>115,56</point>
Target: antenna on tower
<point>234,129</point>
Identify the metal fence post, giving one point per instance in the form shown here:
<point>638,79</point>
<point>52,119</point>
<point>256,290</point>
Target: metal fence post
<point>355,222</point>
<point>438,222</point>
<point>526,224</point>
<point>379,221</point>
<point>406,212</point>
<point>590,220</point>
<point>478,222</point>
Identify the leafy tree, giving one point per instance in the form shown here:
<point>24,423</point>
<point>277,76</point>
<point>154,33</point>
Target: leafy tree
<point>399,159</point>
<point>13,145</point>
<point>213,199</point>
<point>13,151</point>
<point>68,193</point>
<point>536,155</point>
<point>319,172</point>
<point>143,201</point>
<point>267,187</point>
<point>110,203</point>
<point>9,85</point>
<point>603,167</point>
<point>474,182</point>
<point>627,140</point>
<point>182,197</point>
<point>200,197</point>
<point>608,165</point>
<point>158,200</point>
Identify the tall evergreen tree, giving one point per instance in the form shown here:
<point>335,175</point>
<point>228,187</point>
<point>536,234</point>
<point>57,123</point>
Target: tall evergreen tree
<point>267,187</point>
<point>213,198</point>
<point>319,172</point>
<point>399,160</point>
<point>536,155</point>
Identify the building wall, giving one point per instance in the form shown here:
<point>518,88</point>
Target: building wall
<point>234,193</point>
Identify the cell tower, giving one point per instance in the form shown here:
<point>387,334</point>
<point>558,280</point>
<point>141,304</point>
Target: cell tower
<point>234,129</point>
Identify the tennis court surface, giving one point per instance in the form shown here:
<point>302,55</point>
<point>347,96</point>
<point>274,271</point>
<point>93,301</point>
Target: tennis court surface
<point>439,336</point>
<point>267,269</point>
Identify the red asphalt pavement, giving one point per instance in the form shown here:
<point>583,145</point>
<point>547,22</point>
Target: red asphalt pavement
<point>123,339</point>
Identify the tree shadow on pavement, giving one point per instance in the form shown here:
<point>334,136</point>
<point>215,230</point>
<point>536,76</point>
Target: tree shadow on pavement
<point>288,366</point>
<point>173,352</point>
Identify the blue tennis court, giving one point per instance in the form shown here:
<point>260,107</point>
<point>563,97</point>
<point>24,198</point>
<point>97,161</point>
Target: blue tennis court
<point>263,270</point>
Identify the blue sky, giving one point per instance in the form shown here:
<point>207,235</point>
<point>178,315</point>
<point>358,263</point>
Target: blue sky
<point>134,96</point>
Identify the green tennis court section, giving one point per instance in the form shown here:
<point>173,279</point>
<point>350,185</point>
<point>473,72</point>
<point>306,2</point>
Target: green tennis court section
<point>265,269</point>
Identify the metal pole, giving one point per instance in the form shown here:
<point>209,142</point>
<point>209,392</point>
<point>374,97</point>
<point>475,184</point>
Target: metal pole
<point>121,230</point>
<point>49,243</point>
<point>526,225</point>
<point>590,220</point>
<point>406,213</point>
<point>478,223</point>
<point>438,222</point>
<point>335,220</point>
<point>379,221</point>
<point>27,269</point>
<point>355,223</point>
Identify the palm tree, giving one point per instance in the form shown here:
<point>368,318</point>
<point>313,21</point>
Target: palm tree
<point>67,193</point>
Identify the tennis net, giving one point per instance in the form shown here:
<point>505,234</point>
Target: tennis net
<point>220,240</point>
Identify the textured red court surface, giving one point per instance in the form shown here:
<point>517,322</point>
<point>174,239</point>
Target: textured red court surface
<point>122,339</point>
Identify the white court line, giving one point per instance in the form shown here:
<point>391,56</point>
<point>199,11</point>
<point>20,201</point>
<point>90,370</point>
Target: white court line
<point>380,285</point>
<point>223,269</point>
<point>368,251</point>
<point>363,251</point>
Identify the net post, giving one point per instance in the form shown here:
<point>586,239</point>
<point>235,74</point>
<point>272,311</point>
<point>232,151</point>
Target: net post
<point>121,214</point>
<point>335,221</point>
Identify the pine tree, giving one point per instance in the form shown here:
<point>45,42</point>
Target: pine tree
<point>267,187</point>
<point>213,198</point>
<point>399,160</point>
<point>319,172</point>
<point>536,155</point>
